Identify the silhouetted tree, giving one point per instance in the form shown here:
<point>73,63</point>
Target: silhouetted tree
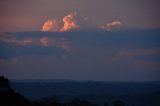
<point>55,103</point>
<point>78,102</point>
<point>48,102</point>
<point>119,103</point>
<point>8,97</point>
<point>106,103</point>
<point>4,83</point>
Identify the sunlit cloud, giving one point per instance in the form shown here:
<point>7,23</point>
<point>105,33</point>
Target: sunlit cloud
<point>112,25</point>
<point>70,22</point>
<point>73,21</point>
<point>51,26</point>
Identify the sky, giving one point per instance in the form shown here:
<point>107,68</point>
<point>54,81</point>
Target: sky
<point>107,40</point>
<point>29,15</point>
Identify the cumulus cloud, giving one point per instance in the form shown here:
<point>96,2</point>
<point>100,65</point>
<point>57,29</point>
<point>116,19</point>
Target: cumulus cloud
<point>112,25</point>
<point>73,21</point>
<point>51,25</point>
<point>70,22</point>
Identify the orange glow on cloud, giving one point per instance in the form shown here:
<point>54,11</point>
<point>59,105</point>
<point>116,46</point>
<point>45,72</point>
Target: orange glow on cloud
<point>112,25</point>
<point>70,22</point>
<point>51,25</point>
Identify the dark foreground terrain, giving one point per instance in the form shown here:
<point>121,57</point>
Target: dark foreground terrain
<point>131,93</point>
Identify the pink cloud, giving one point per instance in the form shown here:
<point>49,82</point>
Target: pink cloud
<point>51,26</point>
<point>112,25</point>
<point>69,22</point>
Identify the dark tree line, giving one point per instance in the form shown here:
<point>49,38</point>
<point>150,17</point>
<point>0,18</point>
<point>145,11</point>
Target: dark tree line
<point>8,97</point>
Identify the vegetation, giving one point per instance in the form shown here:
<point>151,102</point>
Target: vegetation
<point>8,97</point>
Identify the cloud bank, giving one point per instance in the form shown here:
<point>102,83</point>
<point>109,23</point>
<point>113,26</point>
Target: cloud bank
<point>73,22</point>
<point>70,22</point>
<point>12,45</point>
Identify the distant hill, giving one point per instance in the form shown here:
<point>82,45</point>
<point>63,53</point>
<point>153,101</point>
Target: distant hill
<point>137,93</point>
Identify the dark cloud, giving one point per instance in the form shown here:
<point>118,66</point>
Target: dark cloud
<point>15,45</point>
<point>118,55</point>
<point>12,51</point>
<point>28,43</point>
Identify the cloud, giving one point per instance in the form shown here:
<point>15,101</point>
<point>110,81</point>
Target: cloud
<point>56,42</point>
<point>112,25</point>
<point>6,38</point>
<point>73,21</point>
<point>51,26</point>
<point>12,39</point>
<point>65,44</point>
<point>4,62</point>
<point>24,42</point>
<point>44,41</point>
<point>136,55</point>
<point>12,45</point>
<point>144,64</point>
<point>70,22</point>
<point>139,52</point>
